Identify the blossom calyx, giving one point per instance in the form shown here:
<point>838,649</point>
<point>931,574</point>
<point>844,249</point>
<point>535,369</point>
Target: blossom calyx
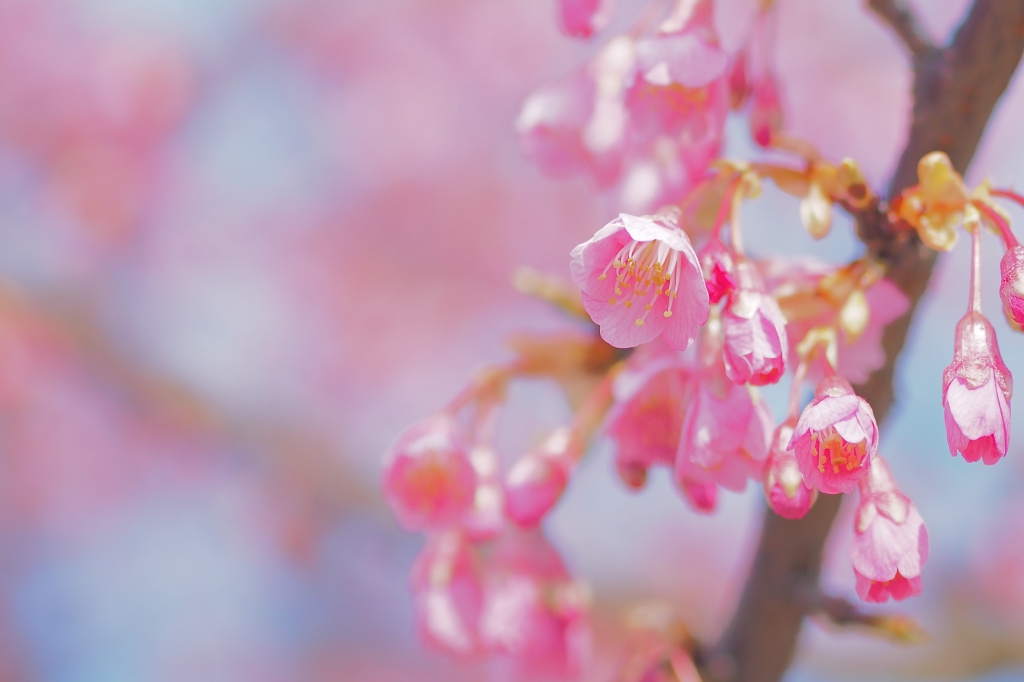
<point>976,393</point>
<point>835,437</point>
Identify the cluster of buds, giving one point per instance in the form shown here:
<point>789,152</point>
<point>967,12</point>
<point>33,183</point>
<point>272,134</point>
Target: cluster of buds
<point>487,581</point>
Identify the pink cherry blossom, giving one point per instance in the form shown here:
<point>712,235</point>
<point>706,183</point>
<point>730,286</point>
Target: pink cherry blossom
<point>641,280</point>
<point>428,479</point>
<point>650,401</point>
<point>485,518</point>
<point>725,435</point>
<point>976,393</point>
<point>718,268</point>
<point>447,595</point>
<point>890,543</point>
<point>680,84</point>
<point>701,496</point>
<point>579,123</point>
<point>534,612</point>
<point>784,487</point>
<point>535,483</point>
<point>582,18</point>
<point>755,331</point>
<point>1011,287</point>
<point>765,110</point>
<point>835,437</point>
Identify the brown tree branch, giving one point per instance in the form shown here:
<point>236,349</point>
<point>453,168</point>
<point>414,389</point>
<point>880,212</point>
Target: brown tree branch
<point>955,91</point>
<point>902,19</point>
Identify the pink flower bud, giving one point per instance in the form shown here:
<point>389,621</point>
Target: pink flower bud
<point>739,84</point>
<point>534,484</point>
<point>890,542</point>
<point>582,18</point>
<point>641,279</point>
<point>755,331</point>
<point>1011,289</point>
<point>534,612</point>
<point>765,111</point>
<point>717,266</point>
<point>784,486</point>
<point>486,518</point>
<point>428,479</point>
<point>447,595</point>
<point>835,438</point>
<point>976,393</point>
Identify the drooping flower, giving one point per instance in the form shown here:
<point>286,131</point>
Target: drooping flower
<point>702,496</point>
<point>641,279</point>
<point>583,18</point>
<point>765,110</point>
<point>976,393</point>
<point>579,123</point>
<point>651,395</point>
<point>835,437</point>
<point>726,432</point>
<point>1011,286</point>
<point>718,268</point>
<point>680,85</point>
<point>534,612</point>
<point>428,479</point>
<point>535,483</point>
<point>784,487</point>
<point>755,331</point>
<point>447,595</point>
<point>890,542</point>
<point>485,518</point>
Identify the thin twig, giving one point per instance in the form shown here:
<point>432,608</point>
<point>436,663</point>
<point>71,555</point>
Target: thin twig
<point>902,19</point>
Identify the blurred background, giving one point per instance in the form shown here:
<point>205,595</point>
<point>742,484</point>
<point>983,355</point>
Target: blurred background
<point>243,243</point>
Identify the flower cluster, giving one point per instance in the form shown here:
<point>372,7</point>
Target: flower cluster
<point>688,327</point>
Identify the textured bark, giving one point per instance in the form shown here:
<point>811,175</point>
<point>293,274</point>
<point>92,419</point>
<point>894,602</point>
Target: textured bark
<point>956,89</point>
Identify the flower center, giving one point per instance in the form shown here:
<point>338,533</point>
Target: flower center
<point>833,450</point>
<point>643,272</point>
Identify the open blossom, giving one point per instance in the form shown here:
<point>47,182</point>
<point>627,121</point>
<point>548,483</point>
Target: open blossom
<point>534,612</point>
<point>650,401</point>
<point>1011,286</point>
<point>835,437</point>
<point>718,268</point>
<point>976,393</point>
<point>890,543</point>
<point>578,124</point>
<point>755,331</point>
<point>447,594</point>
<point>680,88</point>
<point>428,478</point>
<point>641,280</point>
<point>784,487</point>
<point>582,18</point>
<point>534,483</point>
<point>725,435</point>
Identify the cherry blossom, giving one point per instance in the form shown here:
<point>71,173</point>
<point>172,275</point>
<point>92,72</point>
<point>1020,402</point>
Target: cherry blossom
<point>582,18</point>
<point>755,331</point>
<point>784,487</point>
<point>890,543</point>
<point>835,437</point>
<point>447,593</point>
<point>641,280</point>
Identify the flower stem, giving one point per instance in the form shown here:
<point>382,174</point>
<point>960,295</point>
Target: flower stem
<point>975,304</point>
<point>1004,228</point>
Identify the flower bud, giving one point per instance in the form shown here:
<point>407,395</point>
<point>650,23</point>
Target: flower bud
<point>428,479</point>
<point>1011,288</point>
<point>784,486</point>
<point>534,484</point>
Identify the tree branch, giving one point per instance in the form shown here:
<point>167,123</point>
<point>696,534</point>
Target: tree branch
<point>902,19</point>
<point>955,90</point>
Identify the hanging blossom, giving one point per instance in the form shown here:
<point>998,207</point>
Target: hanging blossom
<point>835,437</point>
<point>641,280</point>
<point>890,542</point>
<point>977,386</point>
<point>755,331</point>
<point>784,487</point>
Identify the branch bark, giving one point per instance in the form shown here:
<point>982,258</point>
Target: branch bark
<point>903,20</point>
<point>955,89</point>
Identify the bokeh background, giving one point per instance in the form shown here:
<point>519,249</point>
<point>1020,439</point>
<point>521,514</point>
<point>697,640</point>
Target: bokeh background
<point>244,242</point>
